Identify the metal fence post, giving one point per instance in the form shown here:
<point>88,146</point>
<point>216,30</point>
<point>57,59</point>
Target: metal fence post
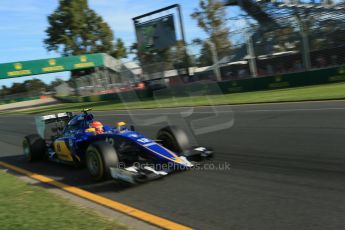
<point>251,58</point>
<point>305,43</point>
<point>215,60</point>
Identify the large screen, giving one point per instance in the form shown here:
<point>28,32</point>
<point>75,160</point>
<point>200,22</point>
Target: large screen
<point>158,33</point>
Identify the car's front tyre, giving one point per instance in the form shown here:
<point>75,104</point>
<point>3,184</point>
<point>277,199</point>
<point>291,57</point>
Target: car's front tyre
<point>174,138</point>
<point>100,156</point>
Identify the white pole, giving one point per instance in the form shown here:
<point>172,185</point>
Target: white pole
<point>251,54</point>
<point>215,60</point>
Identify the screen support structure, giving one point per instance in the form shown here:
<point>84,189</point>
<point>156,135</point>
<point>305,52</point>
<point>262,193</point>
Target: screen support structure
<point>178,8</point>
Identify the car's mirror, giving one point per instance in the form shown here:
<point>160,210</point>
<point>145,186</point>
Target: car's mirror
<point>132,128</point>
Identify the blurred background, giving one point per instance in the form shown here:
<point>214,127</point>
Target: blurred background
<point>242,39</point>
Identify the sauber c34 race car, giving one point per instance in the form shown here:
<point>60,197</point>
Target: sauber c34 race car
<point>117,152</point>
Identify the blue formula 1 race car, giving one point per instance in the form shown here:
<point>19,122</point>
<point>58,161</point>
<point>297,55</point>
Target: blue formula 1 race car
<point>117,152</point>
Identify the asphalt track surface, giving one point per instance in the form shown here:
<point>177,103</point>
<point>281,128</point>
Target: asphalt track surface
<point>287,166</point>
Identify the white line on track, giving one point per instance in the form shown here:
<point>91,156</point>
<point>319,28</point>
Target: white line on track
<point>212,112</point>
<point>232,108</point>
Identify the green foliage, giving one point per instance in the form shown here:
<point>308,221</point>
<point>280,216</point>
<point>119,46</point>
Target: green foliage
<point>205,57</point>
<point>4,91</point>
<point>211,17</point>
<point>75,29</point>
<point>180,58</point>
<point>120,49</point>
<point>34,86</point>
<point>133,50</point>
<point>55,83</point>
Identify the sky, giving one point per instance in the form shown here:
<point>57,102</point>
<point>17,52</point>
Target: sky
<point>23,24</point>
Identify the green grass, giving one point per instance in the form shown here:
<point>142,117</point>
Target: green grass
<point>24,206</point>
<point>320,92</point>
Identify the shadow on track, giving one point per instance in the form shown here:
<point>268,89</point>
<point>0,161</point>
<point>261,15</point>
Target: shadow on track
<point>68,175</point>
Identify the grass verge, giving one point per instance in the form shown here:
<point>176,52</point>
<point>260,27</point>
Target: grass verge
<point>24,206</point>
<point>310,93</point>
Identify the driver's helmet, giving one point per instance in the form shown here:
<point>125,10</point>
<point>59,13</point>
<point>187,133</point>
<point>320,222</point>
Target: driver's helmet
<point>98,126</point>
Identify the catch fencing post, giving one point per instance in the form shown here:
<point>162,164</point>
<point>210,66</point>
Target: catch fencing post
<point>251,57</point>
<point>305,43</point>
<point>215,60</point>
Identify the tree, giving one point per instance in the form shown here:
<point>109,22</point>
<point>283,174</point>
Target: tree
<point>120,49</point>
<point>4,91</point>
<point>17,88</point>
<point>211,17</point>
<point>75,29</point>
<point>205,58</point>
<point>55,83</point>
<point>34,86</point>
<point>205,55</point>
<point>178,56</point>
<point>133,50</point>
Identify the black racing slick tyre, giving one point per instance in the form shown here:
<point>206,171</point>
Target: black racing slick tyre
<point>173,138</point>
<point>34,147</point>
<point>100,156</point>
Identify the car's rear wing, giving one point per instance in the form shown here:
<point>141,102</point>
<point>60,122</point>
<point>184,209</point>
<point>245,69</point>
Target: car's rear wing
<point>52,124</point>
<point>56,117</point>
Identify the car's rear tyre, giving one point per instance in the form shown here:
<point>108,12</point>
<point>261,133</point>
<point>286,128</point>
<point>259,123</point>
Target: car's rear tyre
<point>174,138</point>
<point>100,156</point>
<point>34,148</point>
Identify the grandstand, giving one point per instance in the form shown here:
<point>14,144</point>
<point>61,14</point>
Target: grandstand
<point>292,35</point>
